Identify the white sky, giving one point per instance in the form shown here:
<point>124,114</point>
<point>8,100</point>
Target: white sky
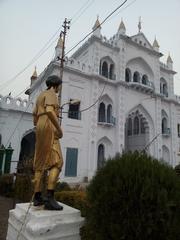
<point>26,26</point>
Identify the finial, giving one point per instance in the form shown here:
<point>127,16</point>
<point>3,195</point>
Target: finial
<point>97,23</point>
<point>34,73</point>
<point>139,24</point>
<point>169,59</point>
<point>121,25</point>
<point>155,43</point>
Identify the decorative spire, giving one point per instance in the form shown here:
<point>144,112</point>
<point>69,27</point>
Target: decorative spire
<point>169,59</point>
<point>34,76</point>
<point>97,28</point>
<point>139,24</point>
<point>97,24</point>
<point>122,28</point>
<point>169,62</point>
<point>34,73</point>
<point>156,45</point>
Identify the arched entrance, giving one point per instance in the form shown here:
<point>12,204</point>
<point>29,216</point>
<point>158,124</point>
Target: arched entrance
<point>27,150</point>
<point>137,130</point>
<point>165,154</point>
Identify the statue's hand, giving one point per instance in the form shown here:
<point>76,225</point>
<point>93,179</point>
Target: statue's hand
<point>60,133</point>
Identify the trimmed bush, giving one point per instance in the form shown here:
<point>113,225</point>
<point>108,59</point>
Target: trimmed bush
<point>75,199</point>
<point>134,197</point>
<point>6,185</point>
<point>23,187</point>
<point>62,186</point>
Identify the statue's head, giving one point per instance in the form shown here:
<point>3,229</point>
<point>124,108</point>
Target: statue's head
<point>53,81</point>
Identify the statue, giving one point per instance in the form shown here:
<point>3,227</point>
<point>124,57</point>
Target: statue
<point>48,156</point>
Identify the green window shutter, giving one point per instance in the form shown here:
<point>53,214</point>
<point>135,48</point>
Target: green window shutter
<point>71,162</point>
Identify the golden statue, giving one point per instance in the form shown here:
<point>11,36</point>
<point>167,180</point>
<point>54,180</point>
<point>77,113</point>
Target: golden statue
<point>48,156</point>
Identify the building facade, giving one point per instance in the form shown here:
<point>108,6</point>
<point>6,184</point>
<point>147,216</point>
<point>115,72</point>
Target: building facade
<point>126,102</point>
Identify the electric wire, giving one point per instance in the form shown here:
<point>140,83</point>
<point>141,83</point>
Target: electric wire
<point>121,10</point>
<point>94,29</point>
<point>100,24</point>
<point>30,204</point>
<point>70,51</point>
<point>87,108</point>
<point>38,55</point>
<point>47,45</point>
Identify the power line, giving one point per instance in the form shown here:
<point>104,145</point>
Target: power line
<point>96,27</point>
<point>39,54</point>
<point>77,44</point>
<point>47,45</point>
<point>65,54</point>
<point>82,11</point>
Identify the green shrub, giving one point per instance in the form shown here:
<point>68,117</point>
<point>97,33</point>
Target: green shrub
<point>134,197</point>
<point>6,185</point>
<point>23,187</point>
<point>76,199</point>
<point>62,186</point>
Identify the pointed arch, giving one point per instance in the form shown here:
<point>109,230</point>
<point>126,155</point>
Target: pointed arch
<point>109,113</point>
<point>141,63</point>
<point>128,75</point>
<point>142,129</point>
<point>101,156</point>
<point>144,112</point>
<point>136,77</point>
<point>105,69</point>
<point>165,154</point>
<point>102,112</point>
<point>136,125</point>
<point>145,79</point>
<point>129,127</point>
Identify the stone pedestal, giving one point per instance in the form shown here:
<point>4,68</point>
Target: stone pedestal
<point>41,224</point>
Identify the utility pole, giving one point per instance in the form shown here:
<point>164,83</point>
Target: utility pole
<point>63,33</point>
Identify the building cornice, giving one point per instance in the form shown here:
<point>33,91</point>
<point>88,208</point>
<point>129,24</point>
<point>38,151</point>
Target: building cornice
<point>89,42</point>
<point>131,42</point>
<point>169,71</point>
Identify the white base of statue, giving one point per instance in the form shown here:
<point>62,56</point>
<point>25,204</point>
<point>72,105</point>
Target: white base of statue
<point>40,224</point>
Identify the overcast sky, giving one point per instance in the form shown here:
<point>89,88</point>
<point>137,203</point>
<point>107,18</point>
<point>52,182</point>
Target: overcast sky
<point>26,26</point>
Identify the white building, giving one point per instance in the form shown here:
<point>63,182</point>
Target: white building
<point>126,100</point>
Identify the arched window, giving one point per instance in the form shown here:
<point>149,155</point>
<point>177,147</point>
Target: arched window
<point>136,77</point>
<point>102,114</point>
<point>142,123</point>
<point>128,75</point>
<point>145,79</point>
<point>163,87</point>
<point>101,158</point>
<point>136,125</point>
<point>164,125</point>
<point>111,72</point>
<point>109,113</point>
<point>129,129</point>
<point>105,69</point>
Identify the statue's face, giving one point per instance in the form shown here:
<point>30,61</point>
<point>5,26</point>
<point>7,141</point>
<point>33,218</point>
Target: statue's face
<point>57,89</point>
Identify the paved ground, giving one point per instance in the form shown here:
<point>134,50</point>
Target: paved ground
<point>5,205</point>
